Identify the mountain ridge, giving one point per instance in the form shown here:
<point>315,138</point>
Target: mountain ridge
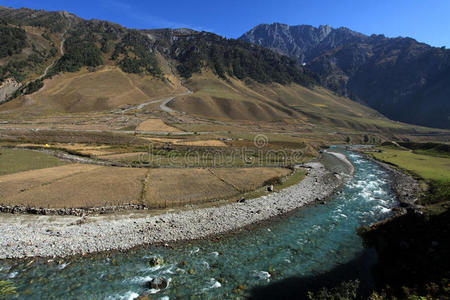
<point>107,68</point>
<point>387,74</point>
<point>93,43</point>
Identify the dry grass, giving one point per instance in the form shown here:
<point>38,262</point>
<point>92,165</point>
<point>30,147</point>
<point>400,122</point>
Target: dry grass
<point>204,143</point>
<point>234,100</point>
<point>215,98</point>
<point>14,184</point>
<point>165,140</point>
<point>175,187</point>
<point>155,125</point>
<point>80,148</point>
<point>251,178</point>
<point>191,142</point>
<point>122,156</point>
<point>79,186</point>
<point>84,91</point>
<point>67,137</point>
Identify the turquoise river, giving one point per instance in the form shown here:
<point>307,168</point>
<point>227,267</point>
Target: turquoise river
<point>312,247</point>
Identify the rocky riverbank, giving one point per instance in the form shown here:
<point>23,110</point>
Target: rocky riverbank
<point>48,236</point>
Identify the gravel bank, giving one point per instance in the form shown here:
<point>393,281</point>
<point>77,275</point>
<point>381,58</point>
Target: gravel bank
<point>48,236</point>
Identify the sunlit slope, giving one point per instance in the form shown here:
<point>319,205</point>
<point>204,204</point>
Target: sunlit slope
<point>107,88</point>
<point>86,91</point>
<point>232,99</point>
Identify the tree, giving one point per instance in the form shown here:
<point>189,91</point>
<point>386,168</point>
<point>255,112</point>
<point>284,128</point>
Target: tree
<point>235,58</point>
<point>366,139</point>
<point>34,86</point>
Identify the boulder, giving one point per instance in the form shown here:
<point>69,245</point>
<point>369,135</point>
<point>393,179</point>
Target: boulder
<point>158,283</point>
<point>155,261</point>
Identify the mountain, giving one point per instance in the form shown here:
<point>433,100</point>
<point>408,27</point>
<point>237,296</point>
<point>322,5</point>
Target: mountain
<point>55,63</point>
<point>91,43</point>
<point>400,77</point>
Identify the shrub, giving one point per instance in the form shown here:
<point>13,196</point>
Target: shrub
<point>6,289</point>
<point>34,86</point>
<point>273,181</point>
<point>344,291</point>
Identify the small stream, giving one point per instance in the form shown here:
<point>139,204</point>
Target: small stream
<point>310,242</point>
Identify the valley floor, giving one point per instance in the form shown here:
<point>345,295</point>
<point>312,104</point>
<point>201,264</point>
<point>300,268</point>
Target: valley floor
<point>47,236</point>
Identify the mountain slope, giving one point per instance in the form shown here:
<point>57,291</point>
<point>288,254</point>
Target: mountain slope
<point>399,77</point>
<point>104,70</point>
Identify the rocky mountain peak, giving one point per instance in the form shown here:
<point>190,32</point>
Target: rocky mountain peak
<point>384,73</point>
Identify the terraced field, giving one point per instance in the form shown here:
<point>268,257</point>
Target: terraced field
<point>176,187</point>
<point>52,183</point>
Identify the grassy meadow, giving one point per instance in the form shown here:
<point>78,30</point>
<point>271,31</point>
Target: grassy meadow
<point>432,167</point>
<point>15,160</point>
<point>426,166</point>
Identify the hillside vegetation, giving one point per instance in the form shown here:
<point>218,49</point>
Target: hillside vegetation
<point>13,40</point>
<point>24,53</point>
<point>234,58</point>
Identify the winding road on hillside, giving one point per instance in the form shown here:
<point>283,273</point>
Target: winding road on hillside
<point>163,105</point>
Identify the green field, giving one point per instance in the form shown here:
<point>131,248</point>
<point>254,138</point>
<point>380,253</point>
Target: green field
<point>14,161</point>
<point>426,166</point>
<point>432,169</point>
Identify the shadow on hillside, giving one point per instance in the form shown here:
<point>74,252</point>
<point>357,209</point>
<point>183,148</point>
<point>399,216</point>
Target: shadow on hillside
<point>298,287</point>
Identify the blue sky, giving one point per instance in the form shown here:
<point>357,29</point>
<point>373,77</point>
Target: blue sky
<point>425,20</point>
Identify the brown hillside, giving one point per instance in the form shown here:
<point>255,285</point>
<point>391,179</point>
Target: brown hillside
<point>84,91</point>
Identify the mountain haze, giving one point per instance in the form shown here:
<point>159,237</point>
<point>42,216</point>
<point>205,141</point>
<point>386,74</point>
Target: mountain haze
<point>400,77</point>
